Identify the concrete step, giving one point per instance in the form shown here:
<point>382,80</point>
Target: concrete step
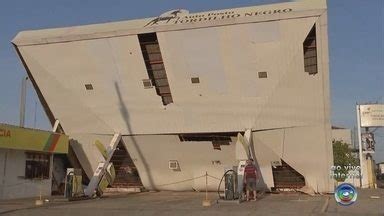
<point>122,190</point>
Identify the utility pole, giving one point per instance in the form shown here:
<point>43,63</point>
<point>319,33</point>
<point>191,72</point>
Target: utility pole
<point>23,96</point>
<point>34,116</point>
<point>360,146</point>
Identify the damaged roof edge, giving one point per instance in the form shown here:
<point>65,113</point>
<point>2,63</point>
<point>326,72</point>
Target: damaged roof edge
<point>296,9</point>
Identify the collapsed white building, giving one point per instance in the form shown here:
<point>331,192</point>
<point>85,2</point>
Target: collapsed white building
<point>181,86</point>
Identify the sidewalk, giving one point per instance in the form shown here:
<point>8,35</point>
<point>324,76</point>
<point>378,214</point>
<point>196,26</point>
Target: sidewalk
<point>367,203</point>
<point>7,206</point>
<point>16,204</point>
<point>190,203</point>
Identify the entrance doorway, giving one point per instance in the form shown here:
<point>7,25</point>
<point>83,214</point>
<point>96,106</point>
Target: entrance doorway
<point>127,175</point>
<point>285,177</point>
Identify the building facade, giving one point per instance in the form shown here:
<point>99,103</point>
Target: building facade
<point>27,161</point>
<point>182,86</point>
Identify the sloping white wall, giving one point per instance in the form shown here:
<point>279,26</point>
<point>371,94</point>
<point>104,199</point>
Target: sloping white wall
<point>227,59</point>
<point>229,97</point>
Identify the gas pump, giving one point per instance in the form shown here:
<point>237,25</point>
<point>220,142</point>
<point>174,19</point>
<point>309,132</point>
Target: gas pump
<point>233,183</point>
<point>233,178</point>
<point>230,185</point>
<point>73,184</point>
<point>240,178</point>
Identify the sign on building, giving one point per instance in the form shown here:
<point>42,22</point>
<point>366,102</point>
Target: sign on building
<point>13,137</point>
<point>372,115</point>
<point>368,141</point>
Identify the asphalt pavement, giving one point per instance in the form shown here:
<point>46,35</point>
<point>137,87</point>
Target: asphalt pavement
<point>369,202</point>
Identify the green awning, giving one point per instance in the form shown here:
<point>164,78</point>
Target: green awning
<point>13,137</point>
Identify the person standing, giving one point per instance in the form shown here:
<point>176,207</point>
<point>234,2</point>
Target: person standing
<point>250,178</point>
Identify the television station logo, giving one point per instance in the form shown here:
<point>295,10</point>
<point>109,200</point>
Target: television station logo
<point>345,194</point>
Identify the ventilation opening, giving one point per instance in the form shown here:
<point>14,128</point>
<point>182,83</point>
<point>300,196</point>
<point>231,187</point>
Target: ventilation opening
<point>147,83</point>
<point>174,165</point>
<point>310,52</point>
<point>155,67</point>
<point>126,172</point>
<point>217,139</point>
<point>285,177</point>
<point>263,74</point>
<point>195,80</point>
<point>217,144</point>
<point>88,87</point>
<point>210,137</point>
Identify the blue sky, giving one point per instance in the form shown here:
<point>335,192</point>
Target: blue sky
<point>356,32</point>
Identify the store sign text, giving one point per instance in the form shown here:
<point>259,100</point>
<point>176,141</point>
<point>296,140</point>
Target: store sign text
<point>5,133</point>
<point>174,18</point>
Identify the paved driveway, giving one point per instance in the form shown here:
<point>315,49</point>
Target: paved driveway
<point>190,203</point>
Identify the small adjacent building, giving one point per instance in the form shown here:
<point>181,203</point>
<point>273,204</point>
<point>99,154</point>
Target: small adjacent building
<point>27,161</point>
<point>380,168</point>
<point>342,134</point>
<point>345,135</point>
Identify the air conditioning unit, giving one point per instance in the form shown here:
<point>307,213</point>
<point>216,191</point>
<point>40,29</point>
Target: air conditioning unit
<point>276,163</point>
<point>174,165</point>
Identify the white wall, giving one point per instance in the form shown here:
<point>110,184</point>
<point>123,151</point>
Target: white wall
<point>12,182</point>
<point>299,147</point>
<point>229,97</point>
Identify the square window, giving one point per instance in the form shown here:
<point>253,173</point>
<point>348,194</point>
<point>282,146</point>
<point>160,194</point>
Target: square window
<point>195,80</point>
<point>88,87</point>
<point>147,83</point>
<point>263,74</point>
<point>37,165</point>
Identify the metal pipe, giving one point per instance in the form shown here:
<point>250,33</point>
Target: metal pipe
<point>23,96</point>
<point>360,145</point>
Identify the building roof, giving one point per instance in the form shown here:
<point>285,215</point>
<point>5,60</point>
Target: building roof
<point>172,20</point>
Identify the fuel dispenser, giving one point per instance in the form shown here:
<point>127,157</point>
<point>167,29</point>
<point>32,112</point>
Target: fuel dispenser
<point>73,184</point>
<point>233,178</point>
<point>230,188</point>
<point>233,184</point>
<point>240,178</point>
